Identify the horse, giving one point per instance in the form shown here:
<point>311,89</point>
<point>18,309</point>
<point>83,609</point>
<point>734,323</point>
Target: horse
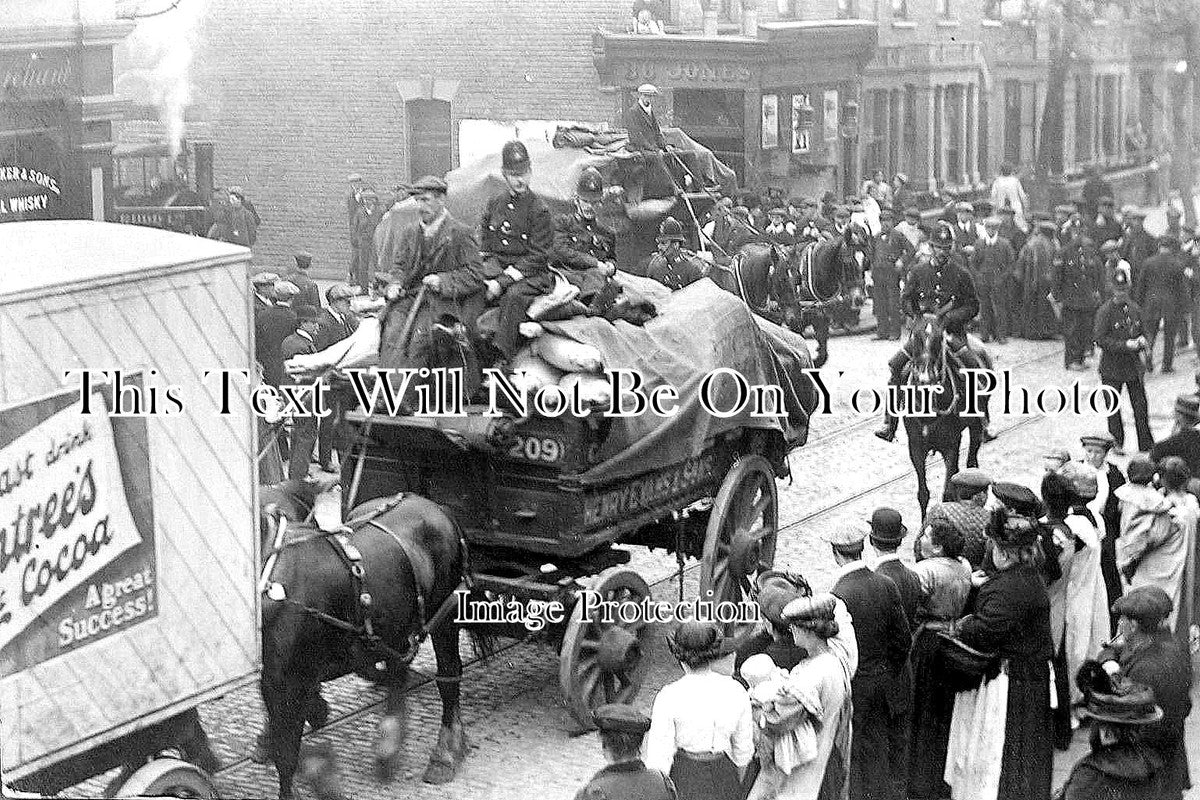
<point>936,424</point>
<point>798,286</point>
<point>359,600</point>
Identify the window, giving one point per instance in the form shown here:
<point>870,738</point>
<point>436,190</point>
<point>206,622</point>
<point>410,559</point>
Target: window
<point>1146,108</point>
<point>1083,121</point>
<point>429,141</point>
<point>727,11</point>
<point>846,10</point>
<point>875,143</point>
<point>942,7</point>
<point>803,118</point>
<point>1012,122</point>
<point>900,9</point>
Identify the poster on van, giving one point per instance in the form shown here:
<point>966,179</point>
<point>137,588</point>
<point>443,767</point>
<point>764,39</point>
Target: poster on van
<point>77,556</point>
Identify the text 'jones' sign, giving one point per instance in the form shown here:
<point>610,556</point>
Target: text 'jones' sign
<point>75,566</point>
<point>683,73</point>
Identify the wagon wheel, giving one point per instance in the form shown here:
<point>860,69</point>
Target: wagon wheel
<point>740,542</point>
<point>605,660</point>
<point>169,777</point>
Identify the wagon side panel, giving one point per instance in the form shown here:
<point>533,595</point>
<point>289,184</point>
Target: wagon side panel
<point>79,675</point>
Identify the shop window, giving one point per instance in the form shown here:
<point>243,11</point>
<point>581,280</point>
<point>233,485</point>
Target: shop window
<point>429,139</point>
<point>1083,121</point>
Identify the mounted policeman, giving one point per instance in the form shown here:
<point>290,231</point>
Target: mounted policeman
<point>939,287</point>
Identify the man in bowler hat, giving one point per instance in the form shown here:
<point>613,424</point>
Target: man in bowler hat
<point>626,777</point>
<point>881,702</point>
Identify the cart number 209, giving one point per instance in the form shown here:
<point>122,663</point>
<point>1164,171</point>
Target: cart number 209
<point>533,448</point>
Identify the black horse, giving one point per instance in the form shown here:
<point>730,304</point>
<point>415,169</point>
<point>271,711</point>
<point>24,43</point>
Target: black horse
<point>801,286</point>
<point>359,603</point>
<point>936,423</point>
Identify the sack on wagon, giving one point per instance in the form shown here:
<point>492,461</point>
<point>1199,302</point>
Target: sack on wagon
<point>567,354</point>
<point>537,373</point>
<point>594,390</point>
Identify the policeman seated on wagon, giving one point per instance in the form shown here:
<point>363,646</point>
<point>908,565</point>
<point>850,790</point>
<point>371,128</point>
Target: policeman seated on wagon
<point>584,247</point>
<point>939,287</point>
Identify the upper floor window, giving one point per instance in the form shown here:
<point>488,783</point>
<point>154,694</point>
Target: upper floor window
<point>900,9</point>
<point>845,9</point>
<point>429,139</point>
<point>727,10</point>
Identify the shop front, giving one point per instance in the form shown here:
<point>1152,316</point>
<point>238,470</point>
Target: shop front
<point>780,109</point>
<point>57,111</point>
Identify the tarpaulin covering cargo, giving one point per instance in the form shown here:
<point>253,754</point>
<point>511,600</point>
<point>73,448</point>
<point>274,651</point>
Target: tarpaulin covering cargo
<point>699,329</point>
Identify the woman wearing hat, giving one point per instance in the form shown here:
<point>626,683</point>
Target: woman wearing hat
<point>1001,741</point>
<point>1079,623</point>
<point>701,729</point>
<point>945,578</point>
<point>1120,764</point>
<point>1145,651</point>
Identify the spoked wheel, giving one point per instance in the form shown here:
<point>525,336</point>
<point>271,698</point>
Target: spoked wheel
<point>604,659</point>
<point>740,542</point>
<point>169,777</point>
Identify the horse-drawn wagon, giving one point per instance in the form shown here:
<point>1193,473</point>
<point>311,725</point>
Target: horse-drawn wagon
<point>129,549</point>
<point>542,510</point>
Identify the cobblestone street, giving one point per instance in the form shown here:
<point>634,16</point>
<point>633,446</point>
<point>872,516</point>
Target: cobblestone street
<point>524,743</point>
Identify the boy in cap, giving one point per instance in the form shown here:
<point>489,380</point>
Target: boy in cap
<point>879,686</point>
<point>1105,225</point>
<point>518,237</point>
<point>310,293</point>
<point>622,729</point>
<point>779,231</point>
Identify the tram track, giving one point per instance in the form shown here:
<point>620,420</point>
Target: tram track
<point>420,681</point>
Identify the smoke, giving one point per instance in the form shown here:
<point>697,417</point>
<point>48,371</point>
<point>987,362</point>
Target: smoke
<point>160,52</point>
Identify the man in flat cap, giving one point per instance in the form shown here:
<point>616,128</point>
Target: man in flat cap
<point>585,247</point>
<point>966,230</point>
<point>517,240</point>
<point>841,219</point>
<point>881,706</point>
<point>966,513</point>
<point>286,293</point>
<point>441,254</point>
<point>992,265</point>
<point>645,134</point>
<point>272,324</point>
<point>310,293</point>
<point>302,341</point>
<point>1184,440</point>
<point>1120,337</point>
<point>622,728</point>
<point>1163,295</point>
<point>362,238</point>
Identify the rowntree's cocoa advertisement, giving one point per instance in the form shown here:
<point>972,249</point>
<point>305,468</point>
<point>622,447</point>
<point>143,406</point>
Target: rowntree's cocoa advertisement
<point>77,557</point>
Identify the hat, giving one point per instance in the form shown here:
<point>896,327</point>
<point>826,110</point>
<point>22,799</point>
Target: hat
<point>696,643</point>
<point>307,313</point>
<point>1188,405</point>
<point>1013,529</point>
<point>1082,479</point>
<point>303,259</point>
<point>912,211</point>
<point>887,526</point>
<point>670,231</point>
<point>900,176</point>
<point>1098,440</point>
<point>648,88</point>
<point>590,186</point>
<point>340,291</point>
<point>971,478</point>
<point>841,212</point>
<point>514,158</point>
<point>845,538</point>
<point>1110,246</point>
<point>285,289</point>
<point>263,278</point>
<point>1020,499</point>
<point>773,598</point>
<point>1134,705</point>
<point>1149,605</point>
<point>962,207</point>
<point>943,236</point>
<point>814,613</point>
<point>620,718</point>
<point>857,207</point>
<point>431,183</point>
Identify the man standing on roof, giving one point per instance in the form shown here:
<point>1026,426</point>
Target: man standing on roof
<point>517,239</point>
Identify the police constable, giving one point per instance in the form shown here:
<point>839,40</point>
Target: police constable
<point>1118,332</point>
<point>673,266</point>
<point>517,239</point>
<point>943,288</point>
<point>1077,283</point>
<point>626,777</point>
<point>585,247</point>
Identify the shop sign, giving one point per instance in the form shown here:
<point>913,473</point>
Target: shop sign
<point>77,560</point>
<point>27,193</point>
<point>682,73</point>
<point>35,75</point>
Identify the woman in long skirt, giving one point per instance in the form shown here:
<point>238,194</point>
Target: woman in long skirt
<point>945,585</point>
<point>1001,735</point>
<point>701,728</point>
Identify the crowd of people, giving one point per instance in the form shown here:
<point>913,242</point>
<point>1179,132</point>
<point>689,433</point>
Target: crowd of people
<point>1024,622</point>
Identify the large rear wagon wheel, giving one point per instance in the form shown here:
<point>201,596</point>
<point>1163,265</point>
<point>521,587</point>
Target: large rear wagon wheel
<point>605,660</point>
<point>169,777</point>
<point>742,528</point>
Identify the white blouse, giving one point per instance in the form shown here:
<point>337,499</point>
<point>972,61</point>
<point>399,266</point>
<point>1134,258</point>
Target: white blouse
<point>703,712</point>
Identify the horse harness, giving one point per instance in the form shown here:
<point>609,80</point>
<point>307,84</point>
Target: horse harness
<point>361,626</point>
<point>809,285</point>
